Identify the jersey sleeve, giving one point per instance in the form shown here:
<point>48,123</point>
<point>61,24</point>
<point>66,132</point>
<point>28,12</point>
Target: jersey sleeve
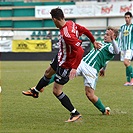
<point>85,31</point>
<point>75,46</point>
<point>114,49</point>
<point>120,38</point>
<point>78,58</point>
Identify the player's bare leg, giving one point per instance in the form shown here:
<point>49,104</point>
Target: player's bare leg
<point>96,101</point>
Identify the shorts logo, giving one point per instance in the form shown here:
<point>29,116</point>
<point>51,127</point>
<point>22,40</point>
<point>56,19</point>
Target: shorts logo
<point>59,77</point>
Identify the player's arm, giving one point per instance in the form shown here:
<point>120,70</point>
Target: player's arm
<point>77,52</point>
<point>115,46</point>
<point>75,46</point>
<point>85,31</point>
<point>114,49</point>
<point>120,39</point>
<point>102,70</point>
<point>78,57</point>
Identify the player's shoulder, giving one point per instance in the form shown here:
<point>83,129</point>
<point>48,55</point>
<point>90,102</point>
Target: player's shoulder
<point>69,26</point>
<point>70,22</point>
<point>66,31</point>
<point>123,25</point>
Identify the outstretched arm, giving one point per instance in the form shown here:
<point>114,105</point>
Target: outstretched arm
<point>87,32</point>
<point>102,71</point>
<point>114,43</point>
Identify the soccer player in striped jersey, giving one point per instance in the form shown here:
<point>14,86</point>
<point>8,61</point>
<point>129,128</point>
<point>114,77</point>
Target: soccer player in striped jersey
<point>125,43</point>
<point>69,57</point>
<point>95,62</point>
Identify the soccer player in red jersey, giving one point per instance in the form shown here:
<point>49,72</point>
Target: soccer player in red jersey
<point>66,62</point>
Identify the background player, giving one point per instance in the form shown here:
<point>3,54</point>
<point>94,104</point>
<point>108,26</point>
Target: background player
<point>125,42</point>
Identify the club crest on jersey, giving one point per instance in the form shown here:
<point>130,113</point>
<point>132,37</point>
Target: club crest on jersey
<point>126,33</point>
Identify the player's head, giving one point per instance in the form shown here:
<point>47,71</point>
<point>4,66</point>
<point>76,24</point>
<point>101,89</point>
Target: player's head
<point>115,30</point>
<point>111,31</point>
<point>57,16</point>
<point>128,13</point>
<point>128,17</point>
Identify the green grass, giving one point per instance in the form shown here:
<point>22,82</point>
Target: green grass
<point>21,114</point>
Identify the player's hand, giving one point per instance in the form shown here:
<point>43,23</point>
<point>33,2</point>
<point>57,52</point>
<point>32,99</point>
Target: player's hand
<point>102,73</point>
<point>97,45</point>
<point>72,74</point>
<point>111,34</point>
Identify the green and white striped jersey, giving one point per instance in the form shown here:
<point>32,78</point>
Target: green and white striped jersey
<point>125,40</point>
<point>99,58</point>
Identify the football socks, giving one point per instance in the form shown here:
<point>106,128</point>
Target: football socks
<point>42,83</point>
<point>128,74</point>
<point>65,101</point>
<point>99,106</point>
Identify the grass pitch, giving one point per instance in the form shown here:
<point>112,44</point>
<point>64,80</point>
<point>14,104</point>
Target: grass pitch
<point>21,114</point>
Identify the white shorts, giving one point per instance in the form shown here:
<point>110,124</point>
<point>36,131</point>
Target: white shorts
<point>89,74</point>
<point>127,54</point>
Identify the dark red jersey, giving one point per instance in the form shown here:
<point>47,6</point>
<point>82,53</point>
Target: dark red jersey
<point>70,50</point>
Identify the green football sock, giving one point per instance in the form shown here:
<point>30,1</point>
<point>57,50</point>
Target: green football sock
<point>52,79</point>
<point>128,69</point>
<point>99,106</point>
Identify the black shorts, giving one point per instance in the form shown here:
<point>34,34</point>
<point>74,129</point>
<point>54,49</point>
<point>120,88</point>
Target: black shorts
<point>54,63</point>
<point>62,75</point>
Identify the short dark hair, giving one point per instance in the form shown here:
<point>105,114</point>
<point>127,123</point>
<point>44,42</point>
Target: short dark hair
<point>57,13</point>
<point>128,13</point>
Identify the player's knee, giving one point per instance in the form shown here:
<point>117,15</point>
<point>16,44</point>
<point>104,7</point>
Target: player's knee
<point>55,92</point>
<point>89,95</point>
<point>126,63</point>
<point>49,72</point>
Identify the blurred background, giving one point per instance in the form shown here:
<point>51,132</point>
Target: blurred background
<point>28,33</point>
